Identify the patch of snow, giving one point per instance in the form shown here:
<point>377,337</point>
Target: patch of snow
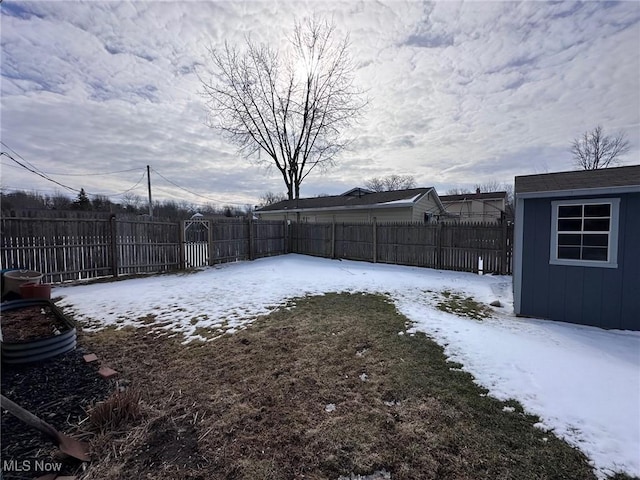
<point>330,408</point>
<point>542,426</point>
<point>379,475</point>
<point>583,382</point>
<point>508,409</point>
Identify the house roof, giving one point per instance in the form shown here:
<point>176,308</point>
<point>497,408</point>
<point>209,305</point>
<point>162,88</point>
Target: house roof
<point>473,196</point>
<point>579,180</point>
<point>358,192</point>
<point>393,198</point>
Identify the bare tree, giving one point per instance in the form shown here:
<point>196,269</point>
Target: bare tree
<point>458,191</point>
<point>269,198</point>
<point>286,108</point>
<point>390,182</point>
<point>594,149</point>
<point>101,203</point>
<point>131,202</point>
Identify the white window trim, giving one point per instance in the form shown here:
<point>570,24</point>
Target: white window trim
<point>613,234</point>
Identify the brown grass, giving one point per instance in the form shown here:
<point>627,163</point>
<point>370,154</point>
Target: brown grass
<point>120,409</point>
<point>252,405</point>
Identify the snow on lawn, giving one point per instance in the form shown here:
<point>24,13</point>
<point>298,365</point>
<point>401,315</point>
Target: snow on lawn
<point>583,382</point>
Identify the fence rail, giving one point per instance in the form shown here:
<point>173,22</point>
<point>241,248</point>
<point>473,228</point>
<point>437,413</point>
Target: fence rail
<point>79,248</point>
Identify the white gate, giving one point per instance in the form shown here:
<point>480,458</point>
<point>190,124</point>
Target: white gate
<point>197,232</point>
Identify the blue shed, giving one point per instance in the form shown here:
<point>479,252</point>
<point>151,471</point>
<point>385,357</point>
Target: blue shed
<point>577,247</point>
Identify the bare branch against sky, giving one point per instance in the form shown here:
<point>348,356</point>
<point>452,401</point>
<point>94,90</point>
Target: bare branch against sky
<point>594,149</point>
<point>391,182</point>
<point>288,107</point>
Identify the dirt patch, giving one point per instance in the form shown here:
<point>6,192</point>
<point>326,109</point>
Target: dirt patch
<point>172,443</point>
<point>462,306</point>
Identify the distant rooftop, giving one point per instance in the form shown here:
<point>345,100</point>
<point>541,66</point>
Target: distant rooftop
<point>353,198</point>
<point>474,196</point>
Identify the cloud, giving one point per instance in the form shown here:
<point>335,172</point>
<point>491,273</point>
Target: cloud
<point>459,92</point>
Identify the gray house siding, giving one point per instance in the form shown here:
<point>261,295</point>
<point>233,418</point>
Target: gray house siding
<point>603,297</point>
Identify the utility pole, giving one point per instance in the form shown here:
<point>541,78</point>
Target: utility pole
<point>149,186</point>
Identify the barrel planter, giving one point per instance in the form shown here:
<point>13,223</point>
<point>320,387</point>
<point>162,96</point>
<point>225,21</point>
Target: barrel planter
<point>12,280</point>
<point>34,330</point>
<point>35,290</point>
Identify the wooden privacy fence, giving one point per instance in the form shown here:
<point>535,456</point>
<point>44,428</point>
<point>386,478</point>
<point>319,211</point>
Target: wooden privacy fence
<point>79,248</point>
<point>66,249</point>
<point>443,246</point>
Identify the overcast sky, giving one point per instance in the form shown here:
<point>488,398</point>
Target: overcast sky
<point>459,93</point>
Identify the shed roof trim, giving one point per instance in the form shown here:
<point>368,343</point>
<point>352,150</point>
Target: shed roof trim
<point>579,180</point>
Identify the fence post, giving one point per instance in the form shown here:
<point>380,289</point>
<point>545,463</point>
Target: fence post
<point>113,231</point>
<point>375,240</point>
<point>210,242</point>
<point>182,240</point>
<point>293,247</point>
<point>251,239</point>
<point>503,256</point>
<point>333,238</point>
<point>285,233</point>
<point>439,245</point>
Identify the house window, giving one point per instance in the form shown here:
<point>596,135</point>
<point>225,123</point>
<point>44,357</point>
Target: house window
<point>585,233</point>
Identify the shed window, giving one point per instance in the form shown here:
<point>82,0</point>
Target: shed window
<point>585,233</point>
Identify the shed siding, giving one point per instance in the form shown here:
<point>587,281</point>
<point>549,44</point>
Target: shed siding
<point>603,297</point>
<point>536,246</point>
<point>630,245</point>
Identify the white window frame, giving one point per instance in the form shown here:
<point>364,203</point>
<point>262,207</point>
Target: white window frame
<point>612,250</point>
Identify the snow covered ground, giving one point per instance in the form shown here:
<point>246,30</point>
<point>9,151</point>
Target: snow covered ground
<point>583,382</point>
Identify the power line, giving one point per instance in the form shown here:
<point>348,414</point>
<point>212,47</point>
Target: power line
<point>91,174</point>
<point>36,172</point>
<point>78,174</point>
<point>42,174</point>
<point>33,169</point>
<point>127,190</point>
<point>20,156</point>
<point>197,194</point>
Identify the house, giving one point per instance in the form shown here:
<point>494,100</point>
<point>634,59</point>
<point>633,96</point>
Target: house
<point>360,205</point>
<point>475,207</point>
<point>577,247</point>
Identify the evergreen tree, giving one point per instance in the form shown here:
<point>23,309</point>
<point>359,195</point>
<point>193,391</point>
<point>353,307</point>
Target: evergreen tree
<point>82,202</point>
